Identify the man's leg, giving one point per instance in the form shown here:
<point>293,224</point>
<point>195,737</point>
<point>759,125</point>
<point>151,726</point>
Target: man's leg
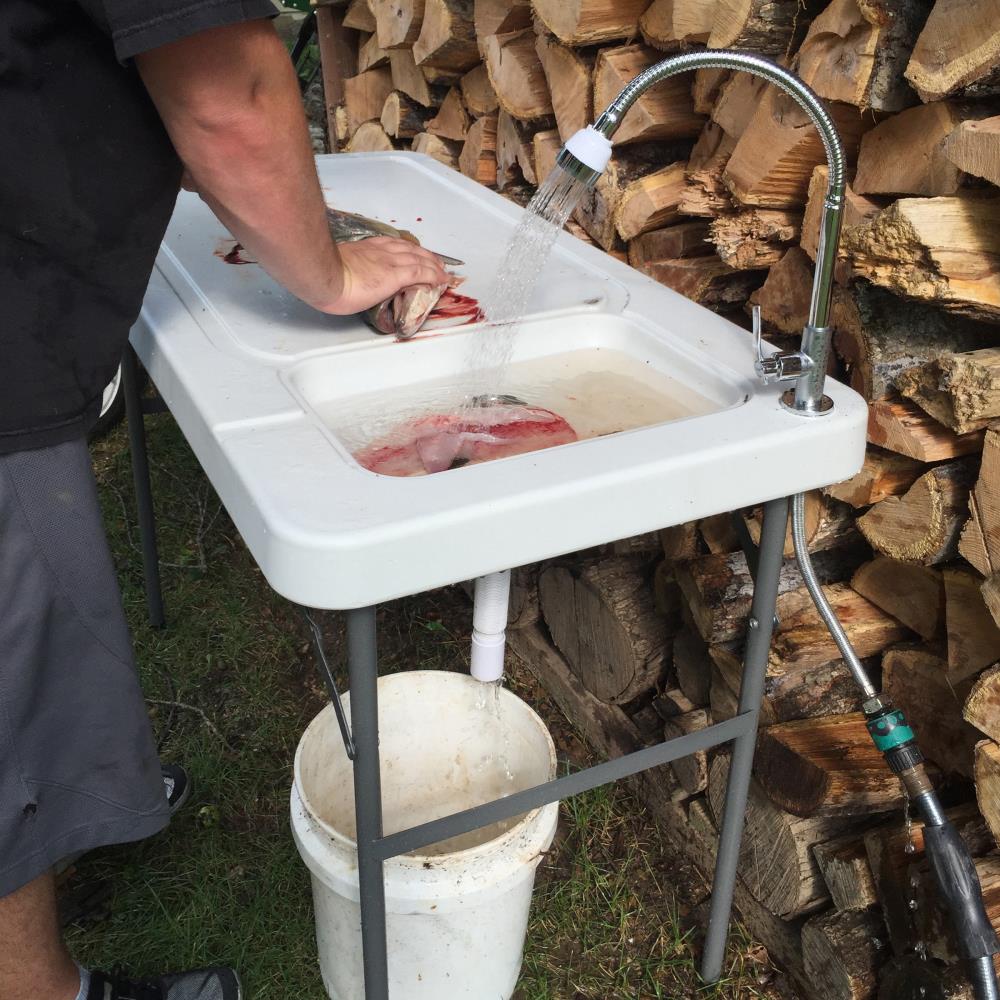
<point>34,962</point>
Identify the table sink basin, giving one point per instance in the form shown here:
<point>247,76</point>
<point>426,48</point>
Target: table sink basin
<point>275,400</point>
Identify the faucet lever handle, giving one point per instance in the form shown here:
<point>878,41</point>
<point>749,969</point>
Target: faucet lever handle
<point>757,337</point>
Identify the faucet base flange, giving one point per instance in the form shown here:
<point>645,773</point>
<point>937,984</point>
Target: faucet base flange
<point>788,402</point>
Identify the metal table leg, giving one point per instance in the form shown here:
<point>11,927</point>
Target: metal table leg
<point>362,664</point>
<point>134,413</point>
<point>765,595</point>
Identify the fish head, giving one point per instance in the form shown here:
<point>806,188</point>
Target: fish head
<point>404,313</point>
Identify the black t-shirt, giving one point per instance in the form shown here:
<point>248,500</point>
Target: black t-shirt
<point>88,180</point>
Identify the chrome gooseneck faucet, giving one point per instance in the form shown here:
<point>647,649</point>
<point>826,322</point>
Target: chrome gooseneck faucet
<point>584,157</point>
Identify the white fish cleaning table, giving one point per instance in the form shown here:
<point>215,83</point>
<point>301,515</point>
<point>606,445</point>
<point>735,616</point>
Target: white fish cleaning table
<point>252,376</point>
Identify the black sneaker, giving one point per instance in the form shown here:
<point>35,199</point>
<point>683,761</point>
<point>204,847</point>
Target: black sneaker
<point>177,785</point>
<point>217,983</point>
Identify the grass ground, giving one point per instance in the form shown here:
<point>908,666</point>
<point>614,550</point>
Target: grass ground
<point>231,685</point>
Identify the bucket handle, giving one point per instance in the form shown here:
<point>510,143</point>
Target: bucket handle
<point>331,684</point>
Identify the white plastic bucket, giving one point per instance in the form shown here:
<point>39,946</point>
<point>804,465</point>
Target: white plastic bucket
<point>456,921</point>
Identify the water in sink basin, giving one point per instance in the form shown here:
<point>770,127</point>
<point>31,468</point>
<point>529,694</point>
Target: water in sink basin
<point>595,391</point>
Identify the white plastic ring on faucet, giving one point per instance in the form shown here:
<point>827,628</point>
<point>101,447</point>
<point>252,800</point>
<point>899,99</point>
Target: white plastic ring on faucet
<point>489,625</point>
<point>591,148</point>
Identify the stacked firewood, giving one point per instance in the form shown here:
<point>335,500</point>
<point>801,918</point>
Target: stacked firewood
<point>715,190</point>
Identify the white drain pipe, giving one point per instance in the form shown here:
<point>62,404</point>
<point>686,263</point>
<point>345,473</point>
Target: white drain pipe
<point>489,624</point>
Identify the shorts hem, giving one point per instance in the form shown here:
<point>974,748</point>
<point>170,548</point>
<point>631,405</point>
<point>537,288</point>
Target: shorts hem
<point>121,830</point>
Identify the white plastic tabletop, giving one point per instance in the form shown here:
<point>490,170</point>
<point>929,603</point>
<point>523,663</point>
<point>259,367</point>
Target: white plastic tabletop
<point>241,364</point>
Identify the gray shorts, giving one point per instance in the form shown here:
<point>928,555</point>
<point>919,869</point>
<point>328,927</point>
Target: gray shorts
<point>78,764</point>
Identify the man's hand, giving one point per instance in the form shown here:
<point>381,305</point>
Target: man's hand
<point>376,268</point>
<point>230,101</point>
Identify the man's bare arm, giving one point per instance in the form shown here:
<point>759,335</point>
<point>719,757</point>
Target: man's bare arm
<point>230,101</point>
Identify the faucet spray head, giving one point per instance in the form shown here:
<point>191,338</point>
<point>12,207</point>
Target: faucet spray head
<point>585,155</point>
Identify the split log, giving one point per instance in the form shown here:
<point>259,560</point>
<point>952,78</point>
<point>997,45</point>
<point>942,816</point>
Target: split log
<point>369,138</point>
<point>452,120</point>
<point>911,593</point>
<point>371,55</point>
<point>665,111</point>
<point>706,194</point>
<point>803,640</point>
<point>705,280</point>
<point>707,86</point>
<point>719,533</point>
<point>401,117</point>
<point>982,707</point>
<point>478,93</point>
<point>923,525</point>
<point>972,542</point>
<point>602,618</point>
<point>364,97</point>
<point>397,22</point>
<point>441,79</point>
<point>692,666</point>
<point>884,474</point>
<point>588,22</point>
<point>360,17</point>
<point>478,159</point>
<point>776,861</point>
<point>739,97</point>
<point>975,148</point>
<point>691,771</point>
<point>905,153</point>
<point>569,75</point>
<point>825,767</point>
<point>856,52</point>
<point>958,50</point>
<point>650,202</point>
<point>843,862</point>
<point>755,237</point>
<point>719,589</point>
<point>973,636</point>
<point>790,692</point>
<point>962,391</point>
<point>881,336</point>
<point>681,540</point>
<point>447,36</point>
<point>902,427</point>
<point>672,703</point>
<point>939,250</point>
<point>545,147</point>
<point>987,774</point>
<point>516,75</point>
<point>501,17</point>
<point>842,952</point>
<point>598,206</point>
<point>991,595</point>
<point>829,524</point>
<point>515,153</point>
<point>675,24</point>
<point>984,507</point>
<point>917,681</point>
<point>684,239</point>
<point>775,156</point>
<point>785,296</point>
<point>914,978</point>
<point>408,77</point>
<point>444,151</point>
<point>857,210</point>
<point>768,27</point>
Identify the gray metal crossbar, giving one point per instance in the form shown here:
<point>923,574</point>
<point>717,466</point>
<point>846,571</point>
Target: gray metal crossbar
<point>468,820</point>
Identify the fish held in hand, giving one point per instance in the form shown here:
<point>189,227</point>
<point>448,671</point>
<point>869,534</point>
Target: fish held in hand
<point>440,441</point>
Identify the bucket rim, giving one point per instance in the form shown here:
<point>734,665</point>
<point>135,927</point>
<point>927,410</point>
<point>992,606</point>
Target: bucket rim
<point>416,858</point>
